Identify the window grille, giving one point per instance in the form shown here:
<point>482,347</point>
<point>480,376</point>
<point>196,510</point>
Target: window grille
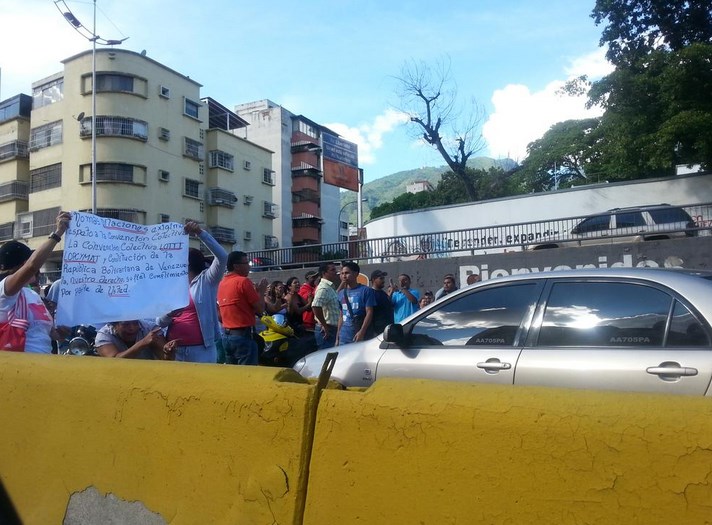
<point>16,148</point>
<point>45,136</point>
<point>220,159</point>
<point>115,126</point>
<point>46,177</point>
<point>191,108</point>
<point>114,172</point>
<point>193,149</point>
<point>268,177</point>
<point>192,188</point>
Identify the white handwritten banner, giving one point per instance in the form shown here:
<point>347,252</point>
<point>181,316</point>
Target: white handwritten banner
<point>115,270</point>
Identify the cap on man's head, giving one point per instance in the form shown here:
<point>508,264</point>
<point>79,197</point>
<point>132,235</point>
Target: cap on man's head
<point>13,254</point>
<point>375,274</point>
<point>311,274</point>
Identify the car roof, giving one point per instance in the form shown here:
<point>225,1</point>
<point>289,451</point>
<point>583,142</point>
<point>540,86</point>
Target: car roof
<point>646,207</point>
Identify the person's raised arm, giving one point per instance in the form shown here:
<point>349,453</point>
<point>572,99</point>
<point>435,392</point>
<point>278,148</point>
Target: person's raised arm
<point>17,280</point>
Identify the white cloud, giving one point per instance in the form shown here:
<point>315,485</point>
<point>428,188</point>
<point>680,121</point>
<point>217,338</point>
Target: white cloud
<point>521,116</point>
<point>369,136</point>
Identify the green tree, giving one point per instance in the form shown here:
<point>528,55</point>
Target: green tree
<point>634,28</point>
<point>563,154</point>
<point>657,108</point>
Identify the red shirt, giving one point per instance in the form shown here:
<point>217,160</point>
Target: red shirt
<point>308,319</point>
<point>236,295</point>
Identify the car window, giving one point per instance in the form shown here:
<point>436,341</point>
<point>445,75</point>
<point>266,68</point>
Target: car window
<point>604,314</point>
<point>629,219</point>
<point>485,317</point>
<point>685,329</point>
<point>667,215</point>
<point>594,224</point>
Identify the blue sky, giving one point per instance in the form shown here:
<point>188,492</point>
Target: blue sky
<point>335,62</point>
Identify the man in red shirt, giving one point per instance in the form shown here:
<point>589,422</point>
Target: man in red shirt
<point>238,302</point>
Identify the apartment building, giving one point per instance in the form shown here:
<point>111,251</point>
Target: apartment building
<point>308,203</point>
<point>162,154</point>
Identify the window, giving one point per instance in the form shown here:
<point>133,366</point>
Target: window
<point>16,148</point>
<point>594,224</point>
<point>191,108</point>
<point>192,188</point>
<point>115,126</point>
<point>193,149</point>
<point>604,314</point>
<point>490,317</point>
<point>667,215</point>
<point>164,91</point>
<point>221,197</point>
<point>164,175</point>
<point>629,219</point>
<point>247,165</point>
<point>269,210</point>
<point>16,189</point>
<point>268,177</point>
<point>114,82</point>
<point>220,159</point>
<point>45,136</point>
<point>47,94</point>
<point>164,133</point>
<point>247,200</point>
<point>114,172</point>
<point>270,242</point>
<point>37,223</point>
<point>46,177</point>
<point>305,128</point>
<point>163,217</point>
<point>685,329</point>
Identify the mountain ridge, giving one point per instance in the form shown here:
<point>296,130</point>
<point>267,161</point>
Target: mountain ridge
<point>386,188</point>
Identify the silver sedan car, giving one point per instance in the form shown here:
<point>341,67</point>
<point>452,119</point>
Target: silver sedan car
<point>639,329</point>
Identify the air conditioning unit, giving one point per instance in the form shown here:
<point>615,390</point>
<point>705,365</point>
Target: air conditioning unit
<point>164,134</point>
<point>248,200</point>
<point>247,165</point>
<point>247,236</point>
<point>26,229</point>
<point>164,175</point>
<point>164,91</point>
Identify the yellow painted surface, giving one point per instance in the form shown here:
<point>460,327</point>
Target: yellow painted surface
<point>423,452</point>
<point>194,443</point>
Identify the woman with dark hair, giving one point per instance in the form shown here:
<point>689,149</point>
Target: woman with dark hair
<point>133,340</point>
<point>196,327</point>
<point>19,267</point>
<point>296,305</point>
<point>275,302</point>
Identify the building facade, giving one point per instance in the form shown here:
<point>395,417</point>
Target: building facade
<point>162,154</point>
<point>308,207</point>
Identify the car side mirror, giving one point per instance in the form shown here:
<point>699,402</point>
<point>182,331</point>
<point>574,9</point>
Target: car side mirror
<point>393,333</point>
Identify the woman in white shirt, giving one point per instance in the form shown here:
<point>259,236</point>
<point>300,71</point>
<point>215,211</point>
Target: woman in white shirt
<point>19,266</point>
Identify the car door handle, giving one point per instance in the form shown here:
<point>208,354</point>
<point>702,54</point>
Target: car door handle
<point>671,371</point>
<point>494,365</point>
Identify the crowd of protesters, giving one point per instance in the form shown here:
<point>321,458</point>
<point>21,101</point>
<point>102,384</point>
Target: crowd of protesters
<point>224,316</point>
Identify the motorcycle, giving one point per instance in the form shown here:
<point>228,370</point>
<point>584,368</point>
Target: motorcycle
<point>80,341</point>
<point>282,346</point>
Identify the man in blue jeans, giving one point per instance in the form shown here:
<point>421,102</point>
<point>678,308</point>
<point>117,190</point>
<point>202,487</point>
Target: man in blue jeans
<point>238,302</point>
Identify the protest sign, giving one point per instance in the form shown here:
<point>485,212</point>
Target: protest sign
<point>115,270</point>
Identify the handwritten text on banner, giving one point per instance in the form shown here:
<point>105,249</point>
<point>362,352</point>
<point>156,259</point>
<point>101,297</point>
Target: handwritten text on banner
<point>115,270</point>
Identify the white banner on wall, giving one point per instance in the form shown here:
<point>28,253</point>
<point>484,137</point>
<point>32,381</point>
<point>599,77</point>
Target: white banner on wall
<point>115,270</point>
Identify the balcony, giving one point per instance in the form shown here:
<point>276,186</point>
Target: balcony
<point>14,149</point>
<point>306,195</point>
<point>306,170</point>
<point>224,235</point>
<point>14,190</point>
<point>221,197</point>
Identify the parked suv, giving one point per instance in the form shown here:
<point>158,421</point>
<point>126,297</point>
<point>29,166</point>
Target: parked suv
<point>640,223</point>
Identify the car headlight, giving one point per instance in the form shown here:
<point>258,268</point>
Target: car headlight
<point>300,364</point>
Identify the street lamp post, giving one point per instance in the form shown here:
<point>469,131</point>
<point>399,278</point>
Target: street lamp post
<point>94,39</point>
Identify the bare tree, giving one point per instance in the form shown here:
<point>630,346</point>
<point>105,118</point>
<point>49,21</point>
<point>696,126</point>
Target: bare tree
<point>428,95</point>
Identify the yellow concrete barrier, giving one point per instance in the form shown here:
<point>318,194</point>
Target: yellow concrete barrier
<point>424,452</point>
<point>188,443</point>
